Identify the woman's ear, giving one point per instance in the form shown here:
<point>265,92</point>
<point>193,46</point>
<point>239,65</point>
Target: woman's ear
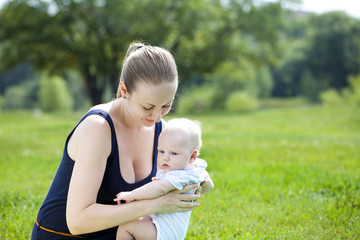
<point>123,89</point>
<point>193,155</point>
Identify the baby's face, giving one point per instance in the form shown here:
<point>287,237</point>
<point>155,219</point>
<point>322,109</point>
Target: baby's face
<point>173,150</point>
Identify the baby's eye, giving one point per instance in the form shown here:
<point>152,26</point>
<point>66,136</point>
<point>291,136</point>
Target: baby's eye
<point>174,153</point>
<point>161,151</point>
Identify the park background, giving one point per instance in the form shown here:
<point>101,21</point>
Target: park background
<point>277,91</point>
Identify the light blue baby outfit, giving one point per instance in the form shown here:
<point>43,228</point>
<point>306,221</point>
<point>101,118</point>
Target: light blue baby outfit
<point>173,226</point>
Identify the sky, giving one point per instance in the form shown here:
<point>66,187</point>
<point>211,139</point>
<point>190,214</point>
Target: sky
<point>351,7</point>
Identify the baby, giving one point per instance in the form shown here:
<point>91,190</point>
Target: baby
<point>178,148</point>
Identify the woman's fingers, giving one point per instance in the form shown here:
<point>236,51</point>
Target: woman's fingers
<point>189,206</point>
<point>177,201</point>
<point>189,197</point>
<point>189,187</point>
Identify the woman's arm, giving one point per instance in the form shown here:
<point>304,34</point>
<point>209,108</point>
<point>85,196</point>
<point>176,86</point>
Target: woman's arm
<point>83,215</point>
<point>150,190</point>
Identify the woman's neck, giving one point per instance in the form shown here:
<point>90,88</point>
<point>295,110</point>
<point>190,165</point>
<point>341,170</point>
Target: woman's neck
<point>121,114</point>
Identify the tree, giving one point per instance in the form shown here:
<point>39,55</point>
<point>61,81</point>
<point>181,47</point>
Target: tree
<point>91,36</point>
<point>81,35</point>
<point>334,50</point>
<point>320,52</point>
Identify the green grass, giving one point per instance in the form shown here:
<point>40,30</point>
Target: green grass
<point>286,173</point>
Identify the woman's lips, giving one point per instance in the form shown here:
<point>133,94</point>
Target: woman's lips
<point>150,121</point>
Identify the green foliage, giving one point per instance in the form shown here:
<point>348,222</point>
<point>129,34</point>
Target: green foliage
<point>311,87</point>
<point>334,48</point>
<point>15,97</point>
<point>22,96</point>
<point>289,173</point>
<point>251,46</point>
<point>54,94</point>
<point>91,36</point>
<point>16,76</point>
<point>240,101</point>
<point>331,98</point>
<point>1,103</point>
<point>319,52</point>
<point>78,91</point>
<point>349,96</point>
<point>196,100</point>
<point>231,76</point>
<point>264,82</point>
<point>289,69</point>
<point>352,96</point>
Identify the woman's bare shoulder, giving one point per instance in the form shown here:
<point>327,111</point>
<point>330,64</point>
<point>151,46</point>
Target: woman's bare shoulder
<point>95,125</point>
<point>104,106</point>
<point>93,133</point>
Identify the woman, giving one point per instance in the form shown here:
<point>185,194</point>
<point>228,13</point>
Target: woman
<point>113,149</point>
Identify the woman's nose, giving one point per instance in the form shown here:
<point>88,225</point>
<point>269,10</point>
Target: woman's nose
<point>156,114</point>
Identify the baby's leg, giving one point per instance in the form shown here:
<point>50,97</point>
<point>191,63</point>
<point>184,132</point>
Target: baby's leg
<point>140,229</point>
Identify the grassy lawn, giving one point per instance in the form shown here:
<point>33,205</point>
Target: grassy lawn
<point>286,173</point>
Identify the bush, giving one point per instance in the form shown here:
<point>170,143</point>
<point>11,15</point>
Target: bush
<point>54,94</point>
<point>15,98</point>
<point>349,96</point>
<point>311,87</point>
<point>196,100</point>
<point>264,82</point>
<point>230,76</point>
<point>241,101</point>
<point>22,96</point>
<point>1,103</point>
<point>331,97</point>
<point>353,94</point>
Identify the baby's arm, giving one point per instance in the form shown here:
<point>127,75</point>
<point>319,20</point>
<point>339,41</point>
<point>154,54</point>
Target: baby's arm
<point>150,190</point>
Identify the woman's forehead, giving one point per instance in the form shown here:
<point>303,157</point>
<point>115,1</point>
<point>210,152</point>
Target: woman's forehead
<point>155,94</point>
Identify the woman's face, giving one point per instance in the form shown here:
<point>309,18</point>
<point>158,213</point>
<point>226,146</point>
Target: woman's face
<point>148,103</point>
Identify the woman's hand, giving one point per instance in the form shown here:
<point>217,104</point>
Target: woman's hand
<point>178,200</point>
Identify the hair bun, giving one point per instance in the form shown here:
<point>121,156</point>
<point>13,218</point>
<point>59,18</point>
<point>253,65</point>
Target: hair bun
<point>133,47</point>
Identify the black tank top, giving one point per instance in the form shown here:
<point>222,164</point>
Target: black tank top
<point>52,214</point>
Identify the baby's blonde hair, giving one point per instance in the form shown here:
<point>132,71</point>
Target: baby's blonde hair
<point>191,127</point>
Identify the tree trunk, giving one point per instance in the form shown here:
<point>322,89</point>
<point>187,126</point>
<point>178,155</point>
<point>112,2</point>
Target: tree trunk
<point>95,89</point>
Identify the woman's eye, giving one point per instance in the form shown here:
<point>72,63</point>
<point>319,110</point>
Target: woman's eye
<point>167,106</point>
<point>147,109</point>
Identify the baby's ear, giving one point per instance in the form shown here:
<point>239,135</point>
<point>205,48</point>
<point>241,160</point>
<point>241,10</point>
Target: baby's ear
<point>193,155</point>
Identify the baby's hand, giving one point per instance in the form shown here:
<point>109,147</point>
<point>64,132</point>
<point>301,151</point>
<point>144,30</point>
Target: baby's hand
<point>123,197</point>
<point>201,187</point>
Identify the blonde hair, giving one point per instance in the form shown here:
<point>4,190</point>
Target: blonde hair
<point>147,64</point>
<point>191,127</point>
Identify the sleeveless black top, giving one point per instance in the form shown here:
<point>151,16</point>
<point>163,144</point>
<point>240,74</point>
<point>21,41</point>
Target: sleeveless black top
<point>52,214</point>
